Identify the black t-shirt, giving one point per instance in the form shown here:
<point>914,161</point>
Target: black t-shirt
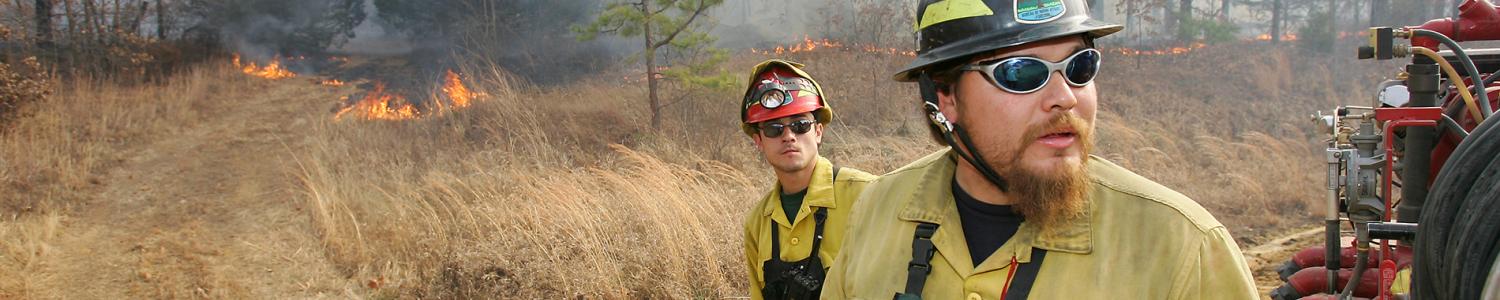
<point>986,226</point>
<point>791,203</point>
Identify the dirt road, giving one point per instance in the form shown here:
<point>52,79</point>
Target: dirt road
<point>210,211</point>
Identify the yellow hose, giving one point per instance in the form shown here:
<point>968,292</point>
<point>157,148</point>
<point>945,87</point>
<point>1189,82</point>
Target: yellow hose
<point>1463,89</point>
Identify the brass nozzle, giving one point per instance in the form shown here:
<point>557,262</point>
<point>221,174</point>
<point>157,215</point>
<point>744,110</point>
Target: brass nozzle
<point>1403,33</point>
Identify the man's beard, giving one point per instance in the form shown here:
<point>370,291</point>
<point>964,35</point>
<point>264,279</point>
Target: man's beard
<point>1048,197</point>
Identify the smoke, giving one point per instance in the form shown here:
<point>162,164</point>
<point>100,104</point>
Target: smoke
<point>375,36</point>
<point>260,29</point>
<point>766,23</point>
<point>529,38</point>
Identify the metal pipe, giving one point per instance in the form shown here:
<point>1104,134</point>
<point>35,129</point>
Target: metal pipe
<point>1334,157</point>
<point>1422,83</point>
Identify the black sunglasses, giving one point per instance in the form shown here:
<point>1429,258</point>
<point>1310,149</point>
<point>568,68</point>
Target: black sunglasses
<point>774,130</point>
<point>1025,75</point>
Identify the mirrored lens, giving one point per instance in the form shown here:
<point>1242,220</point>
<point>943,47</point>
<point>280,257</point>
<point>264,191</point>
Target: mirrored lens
<point>1083,67</point>
<point>1021,74</point>
<point>772,130</point>
<point>802,126</point>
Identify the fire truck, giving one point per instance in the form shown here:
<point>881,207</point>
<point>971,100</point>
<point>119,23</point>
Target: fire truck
<point>1413,188</point>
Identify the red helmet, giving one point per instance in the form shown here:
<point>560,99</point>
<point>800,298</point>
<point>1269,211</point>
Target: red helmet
<point>778,89</point>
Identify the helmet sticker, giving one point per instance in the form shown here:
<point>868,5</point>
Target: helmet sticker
<point>1039,11</point>
<point>949,10</point>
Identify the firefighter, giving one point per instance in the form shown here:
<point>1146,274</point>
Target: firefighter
<point>793,234</point>
<point>1017,207</point>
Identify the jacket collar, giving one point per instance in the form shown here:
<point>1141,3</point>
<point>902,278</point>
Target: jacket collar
<point>819,194</point>
<point>932,201</point>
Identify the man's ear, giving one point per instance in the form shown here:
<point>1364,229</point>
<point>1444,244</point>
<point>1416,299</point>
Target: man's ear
<point>755,138</point>
<point>818,132</point>
<point>948,100</point>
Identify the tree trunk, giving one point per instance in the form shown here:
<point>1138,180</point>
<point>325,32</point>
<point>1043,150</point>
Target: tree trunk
<point>43,22</point>
<point>161,20</point>
<point>1184,15</point>
<point>91,19</point>
<point>1166,21</point>
<point>1224,11</point>
<point>651,66</point>
<point>1130,16</point>
<point>71,19</point>
<point>1276,17</point>
<point>115,22</point>
<point>140,15</point>
<point>1333,18</point>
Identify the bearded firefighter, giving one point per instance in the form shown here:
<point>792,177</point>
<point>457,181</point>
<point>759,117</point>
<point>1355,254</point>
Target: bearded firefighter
<point>796,230</point>
<point>1016,207</point>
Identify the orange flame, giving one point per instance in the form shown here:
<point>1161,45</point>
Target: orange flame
<point>379,105</point>
<point>809,45</point>
<point>332,82</point>
<point>1284,37</point>
<point>453,86</point>
<point>272,70</point>
<point>1167,51</point>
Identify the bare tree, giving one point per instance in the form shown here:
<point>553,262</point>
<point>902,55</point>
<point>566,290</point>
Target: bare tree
<point>161,19</point>
<point>1183,16</point>
<point>43,22</point>
<point>1278,16</point>
<point>1224,11</point>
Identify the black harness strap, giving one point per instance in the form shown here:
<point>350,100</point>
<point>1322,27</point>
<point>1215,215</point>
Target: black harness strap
<point>818,217</point>
<point>921,256</point>
<point>776,241</point>
<point>1020,286</point>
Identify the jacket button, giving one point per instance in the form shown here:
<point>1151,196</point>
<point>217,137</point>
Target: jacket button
<point>974,296</point>
<point>794,241</point>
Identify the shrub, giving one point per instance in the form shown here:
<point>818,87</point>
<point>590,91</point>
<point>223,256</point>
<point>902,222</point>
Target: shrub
<point>22,83</point>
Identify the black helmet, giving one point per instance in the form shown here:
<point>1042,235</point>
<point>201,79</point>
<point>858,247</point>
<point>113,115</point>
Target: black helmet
<point>951,29</point>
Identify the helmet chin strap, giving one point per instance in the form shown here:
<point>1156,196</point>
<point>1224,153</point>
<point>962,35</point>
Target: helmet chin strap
<point>949,129</point>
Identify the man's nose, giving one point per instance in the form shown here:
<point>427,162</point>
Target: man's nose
<point>1058,94</point>
<point>787,135</point>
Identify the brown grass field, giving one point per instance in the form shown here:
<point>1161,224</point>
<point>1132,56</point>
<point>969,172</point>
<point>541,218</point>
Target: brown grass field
<point>219,185</point>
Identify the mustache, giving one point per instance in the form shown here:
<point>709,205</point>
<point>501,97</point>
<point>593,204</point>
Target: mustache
<point>1059,121</point>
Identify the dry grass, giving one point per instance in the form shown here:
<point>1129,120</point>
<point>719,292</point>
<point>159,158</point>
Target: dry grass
<point>515,200</point>
<point>562,192</point>
<point>565,192</point>
<point>54,153</point>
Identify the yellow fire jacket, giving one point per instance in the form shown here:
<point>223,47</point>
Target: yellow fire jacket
<point>1135,240</point>
<point>797,235</point>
